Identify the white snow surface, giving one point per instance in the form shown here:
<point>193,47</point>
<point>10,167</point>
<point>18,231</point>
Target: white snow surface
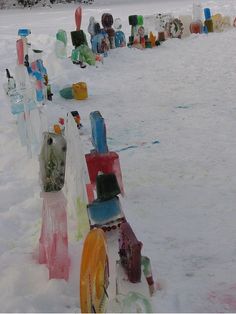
<point>180,191</point>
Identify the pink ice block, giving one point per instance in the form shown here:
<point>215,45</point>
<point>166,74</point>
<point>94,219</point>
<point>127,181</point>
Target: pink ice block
<point>53,242</point>
<point>90,194</point>
<point>39,85</point>
<point>34,66</point>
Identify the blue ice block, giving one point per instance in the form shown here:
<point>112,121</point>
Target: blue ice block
<point>207,13</point>
<point>99,139</point>
<point>18,104</point>
<point>23,32</point>
<point>101,212</point>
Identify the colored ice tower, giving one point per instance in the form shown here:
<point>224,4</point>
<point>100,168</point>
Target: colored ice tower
<point>53,242</point>
<point>101,159</point>
<point>99,40</point>
<point>135,21</point>
<point>38,71</point>
<point>21,98</point>
<point>22,45</point>
<point>81,52</point>
<point>120,40</point>
<point>78,36</point>
<point>105,175</point>
<point>107,22</point>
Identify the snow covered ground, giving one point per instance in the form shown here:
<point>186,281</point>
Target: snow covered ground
<point>176,105</point>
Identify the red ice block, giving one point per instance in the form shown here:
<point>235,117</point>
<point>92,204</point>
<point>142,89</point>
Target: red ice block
<point>130,252</point>
<point>106,163</point>
<point>78,18</point>
<point>20,51</point>
<point>196,27</point>
<point>53,242</point>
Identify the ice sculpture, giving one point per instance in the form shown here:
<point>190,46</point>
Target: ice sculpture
<point>120,40</point>
<point>76,178</point>
<point>94,273</point>
<point>53,242</point>
<point>61,43</point>
<point>107,22</point>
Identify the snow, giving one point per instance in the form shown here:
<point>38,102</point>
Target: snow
<point>175,104</point>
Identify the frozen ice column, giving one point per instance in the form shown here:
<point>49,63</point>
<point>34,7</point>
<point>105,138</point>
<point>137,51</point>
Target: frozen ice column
<point>53,242</point>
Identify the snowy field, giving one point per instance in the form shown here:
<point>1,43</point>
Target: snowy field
<point>180,191</point>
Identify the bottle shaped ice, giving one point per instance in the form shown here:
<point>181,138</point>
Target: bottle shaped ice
<point>196,26</point>
<point>208,20</point>
<point>61,43</point>
<point>120,40</point>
